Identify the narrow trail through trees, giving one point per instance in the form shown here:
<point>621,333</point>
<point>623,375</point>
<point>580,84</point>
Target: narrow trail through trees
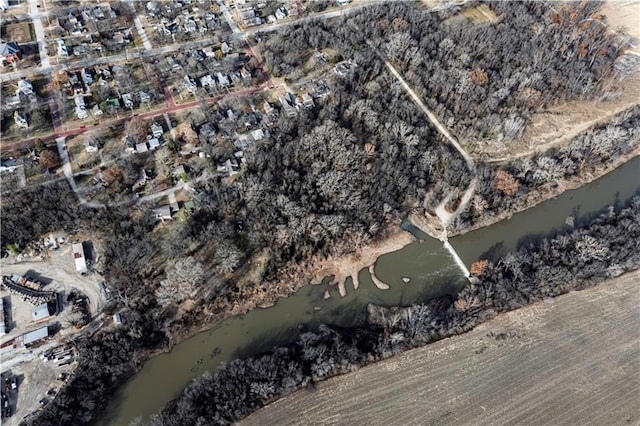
<point>441,211</point>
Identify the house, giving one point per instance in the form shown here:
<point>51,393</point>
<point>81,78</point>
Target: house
<point>91,145</point>
<point>21,120</point>
<point>10,52</point>
<point>226,49</point>
<point>235,77</point>
<point>62,49</point>
<point>245,74</point>
<point>268,109</point>
<point>189,84</point>
<point>223,80</point>
<point>173,202</point>
<point>81,110</point>
<point>127,100</point>
<point>189,206</point>
<point>81,50</point>
<point>78,257</point>
<point>257,135</point>
<point>248,17</point>
<point>342,69</point>
<point>287,106</point>
<point>117,319</point>
<point>118,38</point>
<point>206,131</point>
<point>153,143</point>
<point>10,164</point>
<point>207,81</point>
<point>11,101</point>
<point>114,103</point>
<point>106,74</point>
<point>144,97</point>
<point>40,313</point>
<point>156,130</point>
<point>162,213</point>
<point>25,87</point>
<point>178,171</point>
<point>190,26</point>
<point>307,100</point>
<point>96,111</point>
<point>281,12</point>
<point>86,76</point>
<point>142,147</point>
<point>243,142</point>
<point>98,13</point>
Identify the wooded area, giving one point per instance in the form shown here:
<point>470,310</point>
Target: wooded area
<point>606,248</point>
<point>508,187</point>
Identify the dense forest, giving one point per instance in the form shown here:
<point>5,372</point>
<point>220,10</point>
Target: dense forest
<point>583,257</point>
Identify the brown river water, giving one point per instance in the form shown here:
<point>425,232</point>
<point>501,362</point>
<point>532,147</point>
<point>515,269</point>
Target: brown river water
<point>428,265</point>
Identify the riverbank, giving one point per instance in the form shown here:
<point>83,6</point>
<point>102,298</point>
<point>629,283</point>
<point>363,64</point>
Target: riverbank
<point>332,351</point>
<point>341,268</point>
<point>546,192</point>
<point>292,279</point>
<point>511,368</point>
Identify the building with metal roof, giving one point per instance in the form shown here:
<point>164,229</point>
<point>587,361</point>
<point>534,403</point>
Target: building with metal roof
<point>40,313</point>
<point>35,335</point>
<point>78,257</point>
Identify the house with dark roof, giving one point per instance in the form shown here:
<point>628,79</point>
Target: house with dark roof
<point>10,51</point>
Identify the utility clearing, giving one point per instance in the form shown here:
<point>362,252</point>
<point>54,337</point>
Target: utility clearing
<point>570,360</point>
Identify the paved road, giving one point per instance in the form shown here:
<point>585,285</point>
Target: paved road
<point>141,31</point>
<point>39,30</point>
<point>146,52</point>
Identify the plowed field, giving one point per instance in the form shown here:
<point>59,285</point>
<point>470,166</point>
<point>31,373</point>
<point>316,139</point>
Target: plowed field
<point>571,360</point>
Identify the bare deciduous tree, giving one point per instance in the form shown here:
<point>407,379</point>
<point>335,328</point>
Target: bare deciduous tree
<point>182,281</point>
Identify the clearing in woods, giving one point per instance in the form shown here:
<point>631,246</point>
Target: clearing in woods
<point>572,360</point>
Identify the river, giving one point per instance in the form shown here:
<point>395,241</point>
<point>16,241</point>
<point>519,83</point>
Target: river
<point>428,265</point>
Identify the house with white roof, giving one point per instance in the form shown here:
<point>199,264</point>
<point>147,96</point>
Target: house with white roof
<point>25,87</point>
<point>79,258</point>
<point>156,130</point>
<point>127,99</point>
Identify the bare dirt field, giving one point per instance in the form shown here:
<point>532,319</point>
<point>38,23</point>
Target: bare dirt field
<point>37,381</point>
<point>59,269</point>
<point>571,360</point>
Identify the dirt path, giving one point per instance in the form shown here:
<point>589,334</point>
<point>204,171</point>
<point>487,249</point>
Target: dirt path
<point>572,360</point>
<point>432,117</point>
<point>564,123</point>
<point>441,211</point>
